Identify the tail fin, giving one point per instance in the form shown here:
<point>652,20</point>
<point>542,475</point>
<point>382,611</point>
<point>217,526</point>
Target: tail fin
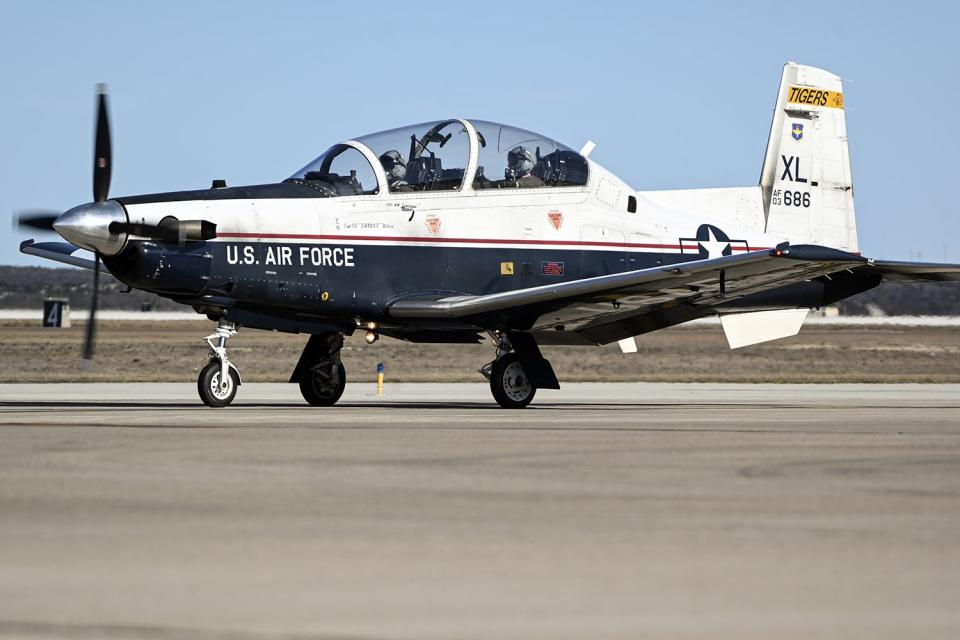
<point>806,182</point>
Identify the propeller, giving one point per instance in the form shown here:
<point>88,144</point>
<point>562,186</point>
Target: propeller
<point>102,165</point>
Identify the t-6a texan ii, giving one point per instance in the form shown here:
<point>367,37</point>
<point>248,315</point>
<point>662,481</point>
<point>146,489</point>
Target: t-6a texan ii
<point>451,230</point>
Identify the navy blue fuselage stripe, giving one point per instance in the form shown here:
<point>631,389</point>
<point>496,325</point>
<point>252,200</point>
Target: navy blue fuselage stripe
<point>296,275</point>
<point>380,273</point>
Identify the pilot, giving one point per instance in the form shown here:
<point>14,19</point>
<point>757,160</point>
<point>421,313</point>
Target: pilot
<point>519,171</point>
<point>395,166</point>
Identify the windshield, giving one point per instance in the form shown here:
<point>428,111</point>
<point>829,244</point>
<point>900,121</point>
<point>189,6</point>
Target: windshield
<point>340,171</point>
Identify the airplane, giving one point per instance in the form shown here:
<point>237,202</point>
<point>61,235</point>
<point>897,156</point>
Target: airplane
<point>449,231</point>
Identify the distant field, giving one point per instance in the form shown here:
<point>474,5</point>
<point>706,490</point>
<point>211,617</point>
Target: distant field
<point>174,351</point>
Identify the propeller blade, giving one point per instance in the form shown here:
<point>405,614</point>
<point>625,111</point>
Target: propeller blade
<point>88,344</point>
<point>41,219</point>
<point>103,154</point>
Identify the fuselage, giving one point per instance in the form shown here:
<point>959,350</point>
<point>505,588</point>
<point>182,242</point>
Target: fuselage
<point>316,245</point>
<point>352,255</point>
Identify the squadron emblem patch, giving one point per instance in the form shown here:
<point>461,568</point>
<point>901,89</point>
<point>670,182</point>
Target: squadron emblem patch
<point>797,131</point>
<point>556,219</point>
<point>433,225</point>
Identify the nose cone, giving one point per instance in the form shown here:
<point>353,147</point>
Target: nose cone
<point>88,226</point>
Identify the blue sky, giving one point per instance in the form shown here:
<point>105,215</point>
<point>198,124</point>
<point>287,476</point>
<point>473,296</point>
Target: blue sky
<point>676,95</point>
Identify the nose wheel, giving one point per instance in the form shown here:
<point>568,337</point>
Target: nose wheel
<point>219,380</point>
<point>217,390</point>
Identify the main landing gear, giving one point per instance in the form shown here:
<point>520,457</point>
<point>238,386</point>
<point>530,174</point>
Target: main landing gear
<point>320,373</point>
<point>218,381</point>
<point>518,370</point>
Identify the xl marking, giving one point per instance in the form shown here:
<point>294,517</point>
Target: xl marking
<point>791,169</point>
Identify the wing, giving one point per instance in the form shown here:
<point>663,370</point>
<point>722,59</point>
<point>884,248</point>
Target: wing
<point>59,251</point>
<point>610,307</point>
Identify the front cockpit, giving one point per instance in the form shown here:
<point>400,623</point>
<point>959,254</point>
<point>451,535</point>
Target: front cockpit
<point>444,156</point>
<point>432,156</point>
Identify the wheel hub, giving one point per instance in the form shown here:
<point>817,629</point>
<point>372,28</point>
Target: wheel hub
<point>515,382</point>
<point>221,389</point>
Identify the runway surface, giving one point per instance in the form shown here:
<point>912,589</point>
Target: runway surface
<point>603,511</point>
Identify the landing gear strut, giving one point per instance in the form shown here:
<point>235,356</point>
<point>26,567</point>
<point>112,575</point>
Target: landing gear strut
<point>509,383</point>
<point>219,380</point>
<point>320,373</point>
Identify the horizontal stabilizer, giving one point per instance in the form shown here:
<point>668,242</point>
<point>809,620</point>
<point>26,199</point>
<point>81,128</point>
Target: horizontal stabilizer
<point>745,329</point>
<point>914,271</point>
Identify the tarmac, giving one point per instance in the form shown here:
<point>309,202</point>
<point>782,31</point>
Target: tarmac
<point>602,511</point>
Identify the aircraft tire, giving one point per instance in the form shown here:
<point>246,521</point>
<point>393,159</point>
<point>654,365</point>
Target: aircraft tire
<point>319,391</point>
<point>208,385</point>
<point>510,386</point>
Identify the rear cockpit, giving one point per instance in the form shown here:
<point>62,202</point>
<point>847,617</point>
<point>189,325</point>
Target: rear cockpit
<point>444,156</point>
<point>511,158</point>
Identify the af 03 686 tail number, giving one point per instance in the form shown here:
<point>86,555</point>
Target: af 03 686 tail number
<point>791,173</point>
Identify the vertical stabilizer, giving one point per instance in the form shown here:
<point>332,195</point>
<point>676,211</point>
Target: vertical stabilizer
<point>806,182</point>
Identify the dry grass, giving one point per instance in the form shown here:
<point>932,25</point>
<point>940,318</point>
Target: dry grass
<point>173,351</point>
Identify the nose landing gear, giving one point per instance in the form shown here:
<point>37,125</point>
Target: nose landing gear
<point>218,381</point>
